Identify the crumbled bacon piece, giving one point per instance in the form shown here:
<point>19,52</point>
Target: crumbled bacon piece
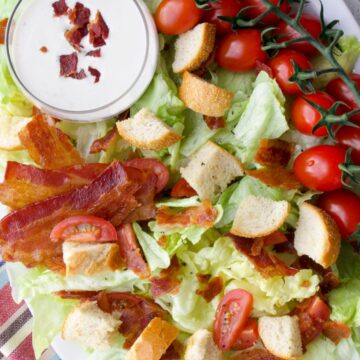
<point>214,123</point>
<point>274,152</point>
<point>167,282</point>
<point>336,331</point>
<point>68,64</point>
<point>213,288</point>
<point>105,142</point>
<point>94,72</point>
<point>44,49</point>
<point>203,215</point>
<point>79,15</point>
<point>276,177</point>
<point>173,352</point>
<point>79,75</point>
<point>329,282</point>
<point>94,53</point>
<point>98,31</point>
<point>60,7</point>
<point>3,24</point>
<point>203,278</point>
<point>124,115</point>
<point>75,35</point>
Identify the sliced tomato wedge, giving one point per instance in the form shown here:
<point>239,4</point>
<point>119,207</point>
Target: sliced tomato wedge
<point>248,337</point>
<point>182,189</point>
<point>152,165</point>
<point>84,229</point>
<point>231,317</point>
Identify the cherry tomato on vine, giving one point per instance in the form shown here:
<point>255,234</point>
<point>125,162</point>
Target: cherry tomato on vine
<point>349,137</point>
<point>175,17</point>
<point>257,8</point>
<point>344,207</point>
<point>310,23</point>
<point>305,116</point>
<point>318,168</point>
<point>222,8</point>
<point>241,50</point>
<point>231,317</point>
<point>340,91</point>
<point>283,69</point>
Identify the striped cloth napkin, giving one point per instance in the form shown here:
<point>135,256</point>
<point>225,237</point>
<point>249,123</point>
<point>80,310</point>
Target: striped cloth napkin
<point>15,326</point>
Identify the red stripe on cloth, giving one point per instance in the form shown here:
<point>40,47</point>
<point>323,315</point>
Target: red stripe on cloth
<point>24,351</point>
<point>7,304</point>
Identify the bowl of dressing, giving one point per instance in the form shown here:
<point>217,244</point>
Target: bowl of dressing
<point>38,51</point>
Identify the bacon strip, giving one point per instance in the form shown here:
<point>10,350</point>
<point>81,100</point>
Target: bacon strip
<point>130,251</point>
<point>213,288</point>
<point>214,123</point>
<point>274,152</point>
<point>265,262</point>
<point>168,281</point>
<point>3,24</point>
<point>48,146</point>
<point>24,233</point>
<point>105,142</point>
<point>203,215</point>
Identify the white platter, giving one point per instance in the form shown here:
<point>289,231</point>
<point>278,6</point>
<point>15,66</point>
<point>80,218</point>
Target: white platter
<point>334,9</point>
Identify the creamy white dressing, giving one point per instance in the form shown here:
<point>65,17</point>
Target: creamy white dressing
<point>121,62</point>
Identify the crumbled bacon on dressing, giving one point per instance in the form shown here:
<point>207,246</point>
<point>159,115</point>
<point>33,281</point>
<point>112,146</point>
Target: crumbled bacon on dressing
<point>214,123</point>
<point>79,15</point>
<point>95,73</point>
<point>44,49</point>
<point>274,152</point>
<point>68,64</point>
<point>79,75</point>
<point>213,288</point>
<point>98,31</point>
<point>94,53</point>
<point>75,35</point>
<point>60,8</point>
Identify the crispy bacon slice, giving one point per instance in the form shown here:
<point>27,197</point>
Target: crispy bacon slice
<point>168,281</point>
<point>213,288</point>
<point>214,123</point>
<point>24,234</point>
<point>104,143</point>
<point>3,24</point>
<point>203,215</point>
<point>94,53</point>
<point>274,152</point>
<point>68,64</point>
<point>95,73</point>
<point>336,331</point>
<point>130,251</point>
<point>254,354</point>
<point>276,177</point>
<point>79,15</point>
<point>26,184</point>
<point>98,31</point>
<point>265,262</point>
<point>48,146</point>
<point>60,7</point>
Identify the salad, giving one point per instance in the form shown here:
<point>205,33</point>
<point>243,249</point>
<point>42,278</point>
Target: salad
<point>218,217</point>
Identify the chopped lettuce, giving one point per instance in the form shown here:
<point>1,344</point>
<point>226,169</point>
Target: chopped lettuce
<point>152,5</point>
<point>7,7</point>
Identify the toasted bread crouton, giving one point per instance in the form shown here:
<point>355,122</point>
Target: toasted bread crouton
<point>90,326</point>
<point>317,236</point>
<point>281,336</point>
<point>194,47</point>
<point>210,170</point>
<point>10,128</point>
<point>259,216</point>
<point>90,259</point>
<point>146,131</point>
<point>203,97</point>
<point>153,341</point>
<point>201,346</point>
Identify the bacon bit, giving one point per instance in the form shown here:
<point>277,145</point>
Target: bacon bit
<point>309,328</point>
<point>94,53</point>
<point>203,278</point>
<point>276,177</point>
<point>105,142</point>
<point>182,189</point>
<point>131,253</point>
<point>173,352</point>
<point>274,152</point>
<point>60,7</point>
<point>26,184</point>
<point>48,146</point>
<point>336,331</point>
<point>162,241</point>
<point>94,72</point>
<point>329,282</point>
<point>3,24</point>
<point>124,115</point>
<point>213,288</point>
<point>203,215</point>
<point>168,281</point>
<point>266,262</point>
<point>254,354</point>
<point>75,35</point>
<point>79,75</point>
<point>44,49</point>
<point>214,123</point>
<point>79,15</point>
<point>260,66</point>
<point>98,31</point>
<point>24,234</point>
<point>275,238</point>
<point>68,64</point>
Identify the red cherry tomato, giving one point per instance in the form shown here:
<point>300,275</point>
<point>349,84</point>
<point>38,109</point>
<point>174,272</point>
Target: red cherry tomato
<point>182,189</point>
<point>349,137</point>
<point>231,317</point>
<point>282,69</point>
<point>155,166</point>
<point>222,8</point>
<point>247,337</point>
<point>310,23</point>
<point>240,51</point>
<point>84,229</point>
<point>339,90</point>
<point>344,207</point>
<point>258,8</point>
<point>318,168</point>
<point>305,116</point>
<point>175,17</point>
